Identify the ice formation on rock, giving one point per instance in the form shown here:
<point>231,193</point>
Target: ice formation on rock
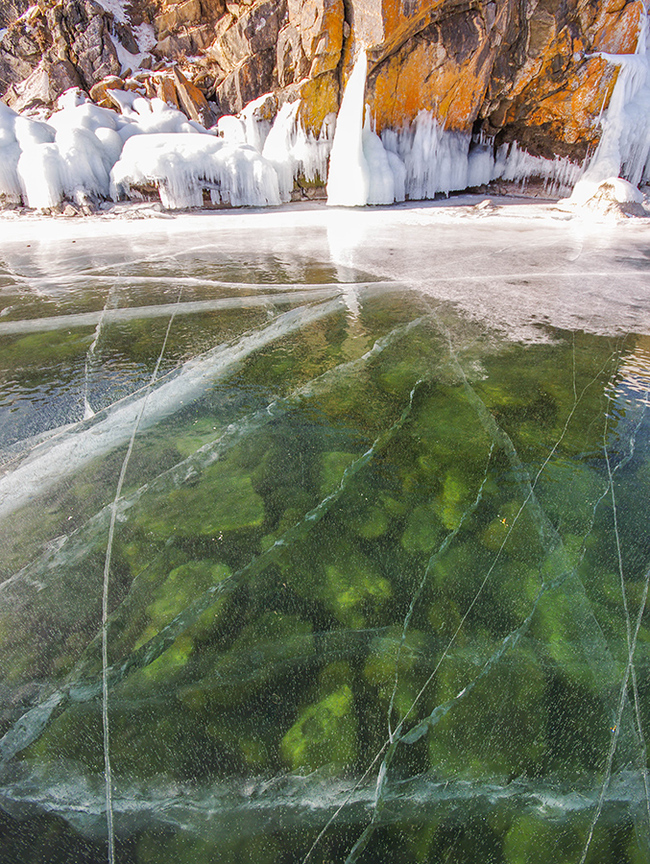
<point>85,150</point>
<point>182,166</point>
<point>348,181</point>
<point>624,149</point>
<point>361,171</point>
<point>422,160</point>
<point>255,158</point>
<point>293,152</point>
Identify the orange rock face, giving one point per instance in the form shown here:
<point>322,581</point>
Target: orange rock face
<point>531,77</point>
<point>320,97</point>
<point>439,61</point>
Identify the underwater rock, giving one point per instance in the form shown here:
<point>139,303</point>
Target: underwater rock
<point>531,837</point>
<point>334,465</point>
<point>342,578</point>
<point>324,734</point>
<point>183,585</point>
<point>500,727</point>
<point>162,848</point>
<point>222,500</point>
<point>514,531</point>
<point>370,522</point>
<point>391,667</point>
<point>423,530</point>
<point>265,651</point>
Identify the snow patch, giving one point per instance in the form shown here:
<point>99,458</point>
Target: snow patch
<point>613,197</point>
<point>127,60</point>
<point>117,9</point>
<point>145,36</point>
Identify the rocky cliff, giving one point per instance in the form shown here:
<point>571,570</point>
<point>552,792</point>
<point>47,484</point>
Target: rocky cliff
<point>505,70</point>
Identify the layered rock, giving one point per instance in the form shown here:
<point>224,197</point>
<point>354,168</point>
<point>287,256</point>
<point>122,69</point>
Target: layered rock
<point>187,28</point>
<point>55,46</point>
<point>523,72</point>
<point>512,70</point>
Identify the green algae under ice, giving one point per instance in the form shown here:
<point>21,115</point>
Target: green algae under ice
<point>376,588</point>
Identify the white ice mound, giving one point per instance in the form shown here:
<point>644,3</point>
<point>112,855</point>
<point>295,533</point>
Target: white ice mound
<point>348,179</point>
<point>613,196</point>
<point>73,155</point>
<point>182,166</point>
<point>613,189</point>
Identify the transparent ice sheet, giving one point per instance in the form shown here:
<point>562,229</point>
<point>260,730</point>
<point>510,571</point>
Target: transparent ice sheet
<point>351,563</point>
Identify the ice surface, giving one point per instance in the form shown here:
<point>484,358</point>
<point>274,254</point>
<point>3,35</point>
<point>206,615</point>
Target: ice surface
<point>108,430</point>
<point>378,566</point>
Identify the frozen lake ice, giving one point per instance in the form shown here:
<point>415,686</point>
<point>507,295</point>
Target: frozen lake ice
<point>323,536</point>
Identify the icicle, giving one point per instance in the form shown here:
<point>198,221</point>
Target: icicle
<point>278,148</point>
<point>519,165</point>
<point>387,172</point>
<point>183,165</point>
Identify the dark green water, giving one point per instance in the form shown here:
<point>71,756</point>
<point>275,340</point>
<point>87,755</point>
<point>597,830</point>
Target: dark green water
<point>377,585</point>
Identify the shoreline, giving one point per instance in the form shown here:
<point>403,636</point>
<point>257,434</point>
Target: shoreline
<point>304,214</point>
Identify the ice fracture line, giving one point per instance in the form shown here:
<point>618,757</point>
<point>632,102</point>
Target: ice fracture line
<point>91,354</point>
<point>32,723</point>
<point>107,567</point>
<point>631,639</point>
<point>427,572</point>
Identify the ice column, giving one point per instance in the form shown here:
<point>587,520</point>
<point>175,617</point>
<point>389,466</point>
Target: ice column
<point>348,182</point>
<point>625,143</point>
